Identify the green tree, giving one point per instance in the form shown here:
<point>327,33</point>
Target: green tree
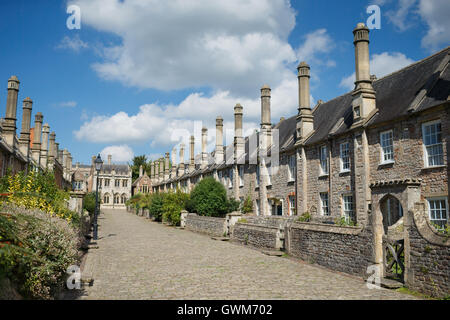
<point>209,198</point>
<point>89,202</point>
<point>137,162</point>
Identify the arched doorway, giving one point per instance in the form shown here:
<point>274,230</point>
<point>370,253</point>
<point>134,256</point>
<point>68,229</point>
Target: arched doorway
<point>392,211</point>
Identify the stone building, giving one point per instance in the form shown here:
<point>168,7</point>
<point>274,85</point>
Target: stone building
<point>35,148</point>
<point>114,182</point>
<point>143,183</point>
<point>375,157</point>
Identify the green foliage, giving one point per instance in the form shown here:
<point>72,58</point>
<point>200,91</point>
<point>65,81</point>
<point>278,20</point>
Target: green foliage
<point>36,250</point>
<point>173,204</point>
<point>242,220</point>
<point>156,206</point>
<point>343,222</point>
<point>209,198</point>
<point>137,162</point>
<point>305,217</point>
<point>89,202</point>
<point>247,206</point>
<point>445,230</point>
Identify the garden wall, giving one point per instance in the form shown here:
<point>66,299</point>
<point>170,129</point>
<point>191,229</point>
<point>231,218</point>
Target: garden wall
<point>429,257</point>
<point>345,249</point>
<point>207,225</point>
<point>261,232</point>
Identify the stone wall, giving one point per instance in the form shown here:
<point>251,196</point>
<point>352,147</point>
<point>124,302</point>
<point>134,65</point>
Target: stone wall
<point>429,258</point>
<point>207,225</point>
<point>345,249</point>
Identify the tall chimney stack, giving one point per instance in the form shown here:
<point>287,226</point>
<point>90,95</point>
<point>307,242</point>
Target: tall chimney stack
<point>52,151</point>
<point>219,156</point>
<point>204,143</point>
<point>174,162</point>
<point>24,141</point>
<point>266,125</point>
<point>161,170</point>
<point>152,171</point>
<point>305,118</point>
<point>141,171</point>
<point>239,147</point>
<point>9,126</point>
<point>44,145</point>
<point>364,104</point>
<point>109,159</point>
<point>166,167</point>
<point>36,149</point>
<point>192,155</point>
<point>181,166</point>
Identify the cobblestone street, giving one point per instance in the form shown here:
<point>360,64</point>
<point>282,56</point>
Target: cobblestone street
<point>140,259</point>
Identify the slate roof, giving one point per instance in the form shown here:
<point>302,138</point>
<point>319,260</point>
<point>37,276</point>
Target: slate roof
<point>118,168</point>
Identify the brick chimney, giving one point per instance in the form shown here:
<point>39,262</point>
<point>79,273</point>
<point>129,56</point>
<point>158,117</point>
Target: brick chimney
<point>266,125</point>
<point>192,155</point>
<point>181,166</point>
<point>44,145</point>
<point>305,118</point>
<point>36,149</point>
<point>364,104</point>
<point>219,156</point>
<point>9,125</point>
<point>24,141</point>
<point>239,147</point>
<point>204,163</point>
<point>174,162</point>
<point>166,166</point>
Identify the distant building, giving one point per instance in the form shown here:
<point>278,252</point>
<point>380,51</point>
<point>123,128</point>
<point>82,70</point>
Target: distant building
<point>143,184</point>
<point>114,184</point>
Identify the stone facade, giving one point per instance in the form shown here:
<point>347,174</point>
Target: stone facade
<point>366,158</point>
<point>207,225</point>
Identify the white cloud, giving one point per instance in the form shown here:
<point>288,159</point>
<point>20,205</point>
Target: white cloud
<point>75,44</point>
<point>228,45</point>
<point>316,43</point>
<point>399,17</point>
<point>68,104</point>
<point>436,14</point>
<point>120,153</point>
<point>380,65</point>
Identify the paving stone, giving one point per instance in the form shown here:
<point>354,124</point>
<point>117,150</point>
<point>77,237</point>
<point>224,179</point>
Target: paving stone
<point>140,259</point>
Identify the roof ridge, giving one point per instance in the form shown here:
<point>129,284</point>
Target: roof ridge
<point>414,64</point>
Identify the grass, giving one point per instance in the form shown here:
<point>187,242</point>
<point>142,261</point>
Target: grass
<point>405,290</point>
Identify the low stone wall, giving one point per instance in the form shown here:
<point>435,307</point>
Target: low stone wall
<point>207,225</point>
<point>345,249</point>
<point>261,232</point>
<point>429,255</point>
<point>256,235</point>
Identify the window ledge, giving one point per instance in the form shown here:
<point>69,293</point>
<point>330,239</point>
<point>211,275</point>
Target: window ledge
<point>386,163</point>
<point>434,167</point>
<point>324,176</point>
<point>344,172</point>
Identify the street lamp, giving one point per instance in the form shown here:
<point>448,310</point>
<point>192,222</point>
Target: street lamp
<point>98,166</point>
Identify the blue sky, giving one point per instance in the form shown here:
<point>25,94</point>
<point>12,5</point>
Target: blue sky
<point>139,74</point>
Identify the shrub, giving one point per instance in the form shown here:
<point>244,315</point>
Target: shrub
<point>247,206</point>
<point>233,205</point>
<point>305,217</point>
<point>209,198</point>
<point>35,251</point>
<point>343,222</point>
<point>156,206</point>
<point>89,202</point>
<point>173,204</point>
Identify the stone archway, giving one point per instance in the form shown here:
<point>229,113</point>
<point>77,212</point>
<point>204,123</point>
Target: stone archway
<point>391,203</point>
<point>391,211</point>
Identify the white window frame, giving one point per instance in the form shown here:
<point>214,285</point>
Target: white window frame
<point>257,207</point>
<point>425,146</point>
<point>432,199</point>
<point>341,156</point>
<point>323,155</point>
<point>291,159</point>
<point>345,211</point>
<point>383,147</point>
<point>241,176</point>
<point>230,178</point>
<point>291,200</point>
<point>257,175</point>
<point>322,203</point>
